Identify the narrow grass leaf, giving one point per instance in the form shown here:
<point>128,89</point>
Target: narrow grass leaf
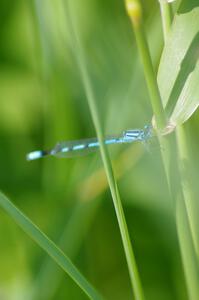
<point>83,68</point>
<point>179,67</point>
<point>48,246</point>
<point>185,217</point>
<point>49,274</point>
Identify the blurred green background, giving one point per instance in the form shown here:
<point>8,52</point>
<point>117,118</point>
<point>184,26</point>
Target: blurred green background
<point>42,102</point>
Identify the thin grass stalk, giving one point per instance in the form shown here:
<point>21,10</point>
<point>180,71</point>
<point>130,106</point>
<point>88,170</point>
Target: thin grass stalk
<point>89,194</point>
<point>190,263</point>
<point>81,61</point>
<point>184,167</point>
<point>49,274</point>
<point>56,118</point>
<point>48,246</point>
<point>181,218</point>
<point>186,212</point>
<point>182,145</point>
<point>186,246</point>
<point>135,13</point>
<point>166,16</point>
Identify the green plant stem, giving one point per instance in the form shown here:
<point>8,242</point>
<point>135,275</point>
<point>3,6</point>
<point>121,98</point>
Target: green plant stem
<point>142,44</point>
<point>48,246</point>
<point>166,15</point>
<point>83,212</point>
<point>186,243</point>
<point>190,264</point>
<point>81,61</point>
<point>185,210</point>
<point>184,167</point>
<point>150,77</point>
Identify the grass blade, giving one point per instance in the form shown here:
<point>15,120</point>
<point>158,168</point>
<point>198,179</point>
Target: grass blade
<point>49,274</point>
<point>184,234</point>
<point>134,11</point>
<point>187,185</point>
<point>185,210</point>
<point>166,17</point>
<point>189,260</point>
<point>183,151</point>
<point>85,211</point>
<point>81,61</point>
<point>48,246</point>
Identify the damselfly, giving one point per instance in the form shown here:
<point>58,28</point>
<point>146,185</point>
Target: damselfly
<point>84,146</point>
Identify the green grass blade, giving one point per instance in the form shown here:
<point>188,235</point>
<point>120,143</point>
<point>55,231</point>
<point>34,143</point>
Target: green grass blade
<point>134,11</point>
<point>184,234</point>
<point>48,246</point>
<point>187,185</point>
<point>189,260</point>
<point>185,212</point>
<point>49,274</point>
<point>179,67</point>
<point>81,61</point>
<point>166,17</point>
<point>184,160</point>
<point>83,212</point>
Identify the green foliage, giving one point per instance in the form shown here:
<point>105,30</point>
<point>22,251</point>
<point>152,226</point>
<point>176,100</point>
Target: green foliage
<point>179,70</point>
<point>48,246</point>
<point>43,101</point>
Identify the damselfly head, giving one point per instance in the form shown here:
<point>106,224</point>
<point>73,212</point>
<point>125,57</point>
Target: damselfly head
<point>147,132</point>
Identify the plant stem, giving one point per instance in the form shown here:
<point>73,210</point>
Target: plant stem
<point>135,12</point>
<point>48,246</point>
<point>184,166</point>
<point>189,260</point>
<point>185,211</point>
<point>166,14</point>
<point>186,243</point>
<point>81,61</point>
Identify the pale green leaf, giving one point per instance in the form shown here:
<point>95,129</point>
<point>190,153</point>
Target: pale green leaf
<point>179,67</point>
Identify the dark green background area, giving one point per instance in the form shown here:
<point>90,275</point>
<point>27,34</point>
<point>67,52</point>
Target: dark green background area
<point>42,102</point>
